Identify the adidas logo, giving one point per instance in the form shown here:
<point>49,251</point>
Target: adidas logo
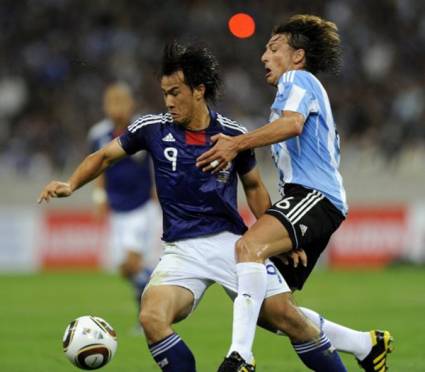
<point>169,138</point>
<point>162,363</point>
<point>303,229</point>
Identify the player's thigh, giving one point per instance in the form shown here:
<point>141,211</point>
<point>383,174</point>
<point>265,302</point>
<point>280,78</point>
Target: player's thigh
<point>184,264</point>
<point>266,238</point>
<point>169,303</point>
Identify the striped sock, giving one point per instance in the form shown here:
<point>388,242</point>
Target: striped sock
<point>342,338</point>
<point>319,355</point>
<point>172,355</point>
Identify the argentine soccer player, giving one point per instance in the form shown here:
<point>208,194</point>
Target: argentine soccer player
<point>201,222</point>
<point>126,189</point>
<point>305,149</point>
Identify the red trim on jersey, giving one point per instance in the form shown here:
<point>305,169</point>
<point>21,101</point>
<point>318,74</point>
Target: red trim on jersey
<point>195,138</point>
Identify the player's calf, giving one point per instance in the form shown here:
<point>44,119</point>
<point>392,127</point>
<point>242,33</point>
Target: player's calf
<point>279,313</point>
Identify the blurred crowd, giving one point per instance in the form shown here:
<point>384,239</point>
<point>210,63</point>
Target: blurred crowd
<point>58,55</point>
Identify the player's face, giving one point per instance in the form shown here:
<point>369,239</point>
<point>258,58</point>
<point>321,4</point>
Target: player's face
<point>278,58</point>
<point>118,105</point>
<point>178,97</point>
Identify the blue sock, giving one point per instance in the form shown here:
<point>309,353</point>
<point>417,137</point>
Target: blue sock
<point>320,355</point>
<point>172,355</point>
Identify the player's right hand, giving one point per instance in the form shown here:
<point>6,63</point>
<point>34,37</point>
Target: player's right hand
<point>55,189</point>
<point>296,256</point>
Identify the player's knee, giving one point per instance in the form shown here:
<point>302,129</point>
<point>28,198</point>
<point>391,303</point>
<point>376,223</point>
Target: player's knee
<point>248,251</point>
<point>152,321</point>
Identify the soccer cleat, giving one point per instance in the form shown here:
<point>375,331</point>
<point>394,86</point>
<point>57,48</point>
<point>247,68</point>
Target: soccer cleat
<point>376,360</point>
<point>235,363</point>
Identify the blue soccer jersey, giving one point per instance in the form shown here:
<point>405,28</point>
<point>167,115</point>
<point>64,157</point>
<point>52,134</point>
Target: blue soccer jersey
<point>194,203</point>
<point>128,183</point>
<point>312,158</point>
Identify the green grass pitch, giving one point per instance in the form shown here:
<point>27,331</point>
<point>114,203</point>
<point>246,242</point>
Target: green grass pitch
<point>35,309</point>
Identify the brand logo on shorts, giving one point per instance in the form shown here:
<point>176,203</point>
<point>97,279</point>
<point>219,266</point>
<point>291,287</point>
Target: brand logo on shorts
<point>303,229</point>
<point>169,138</point>
<point>163,362</point>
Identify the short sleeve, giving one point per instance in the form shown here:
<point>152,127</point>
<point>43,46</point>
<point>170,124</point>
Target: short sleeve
<point>134,138</point>
<point>245,162</point>
<point>294,97</point>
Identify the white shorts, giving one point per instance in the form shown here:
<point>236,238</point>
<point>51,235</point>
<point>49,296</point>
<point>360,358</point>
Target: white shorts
<point>197,263</point>
<point>138,230</point>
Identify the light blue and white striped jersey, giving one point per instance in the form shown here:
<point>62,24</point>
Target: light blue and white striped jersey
<point>312,158</point>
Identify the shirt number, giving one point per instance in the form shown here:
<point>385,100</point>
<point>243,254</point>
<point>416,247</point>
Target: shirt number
<point>170,154</point>
<point>284,203</point>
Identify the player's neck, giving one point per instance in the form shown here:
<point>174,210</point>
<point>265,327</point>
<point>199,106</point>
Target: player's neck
<point>201,119</point>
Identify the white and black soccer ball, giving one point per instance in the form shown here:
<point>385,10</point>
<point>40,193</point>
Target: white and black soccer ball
<point>89,342</point>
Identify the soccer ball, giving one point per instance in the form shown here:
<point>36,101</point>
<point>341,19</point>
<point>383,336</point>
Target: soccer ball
<point>89,342</point>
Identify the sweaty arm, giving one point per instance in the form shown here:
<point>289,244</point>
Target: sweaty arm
<point>91,167</point>
<point>256,193</point>
<point>289,125</point>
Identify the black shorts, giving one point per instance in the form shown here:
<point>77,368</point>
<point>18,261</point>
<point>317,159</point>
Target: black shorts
<point>310,219</point>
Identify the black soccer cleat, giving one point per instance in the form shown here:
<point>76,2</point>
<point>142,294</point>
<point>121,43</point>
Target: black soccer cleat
<point>376,360</point>
<point>235,363</point>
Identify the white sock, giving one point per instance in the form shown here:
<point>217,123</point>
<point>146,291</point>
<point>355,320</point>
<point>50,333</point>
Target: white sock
<point>342,338</point>
<point>252,286</point>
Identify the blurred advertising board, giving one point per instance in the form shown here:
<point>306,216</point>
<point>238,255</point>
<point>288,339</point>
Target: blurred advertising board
<point>19,235</point>
<point>72,238</point>
<point>31,239</point>
<point>371,236</point>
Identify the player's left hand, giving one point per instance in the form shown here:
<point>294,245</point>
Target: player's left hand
<point>297,256</point>
<point>217,158</point>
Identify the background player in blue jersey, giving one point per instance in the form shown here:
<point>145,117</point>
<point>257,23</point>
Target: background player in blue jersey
<point>126,189</point>
<point>201,221</point>
<point>305,148</point>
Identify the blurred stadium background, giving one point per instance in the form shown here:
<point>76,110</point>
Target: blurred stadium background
<point>56,58</point>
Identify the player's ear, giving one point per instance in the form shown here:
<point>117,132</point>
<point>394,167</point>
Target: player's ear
<point>299,56</point>
<point>199,91</point>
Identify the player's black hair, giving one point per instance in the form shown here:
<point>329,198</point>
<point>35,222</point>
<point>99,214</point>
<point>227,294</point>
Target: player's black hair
<point>319,39</point>
<point>197,63</point>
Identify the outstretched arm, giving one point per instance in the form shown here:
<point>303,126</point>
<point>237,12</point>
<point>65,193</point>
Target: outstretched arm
<point>290,124</point>
<point>89,168</point>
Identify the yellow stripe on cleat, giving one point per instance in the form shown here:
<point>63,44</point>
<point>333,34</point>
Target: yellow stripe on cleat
<point>380,365</point>
<point>379,357</point>
<point>373,337</point>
